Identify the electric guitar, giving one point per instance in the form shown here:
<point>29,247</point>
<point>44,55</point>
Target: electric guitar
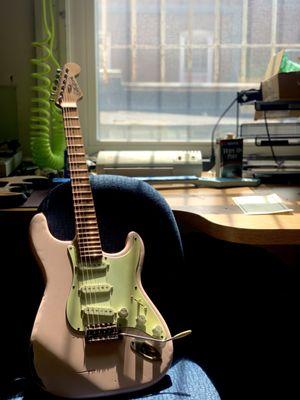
<point>96,332</point>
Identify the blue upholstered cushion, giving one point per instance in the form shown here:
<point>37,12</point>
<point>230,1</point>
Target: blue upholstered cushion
<point>122,205</point>
<point>186,381</point>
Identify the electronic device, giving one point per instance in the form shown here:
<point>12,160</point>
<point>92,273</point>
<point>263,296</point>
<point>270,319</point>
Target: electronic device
<point>149,163</point>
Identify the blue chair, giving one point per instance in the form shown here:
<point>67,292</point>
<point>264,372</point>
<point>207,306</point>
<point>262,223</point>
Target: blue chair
<point>122,205</point>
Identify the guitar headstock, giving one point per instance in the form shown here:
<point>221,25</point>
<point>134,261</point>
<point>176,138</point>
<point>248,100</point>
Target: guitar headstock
<point>67,91</point>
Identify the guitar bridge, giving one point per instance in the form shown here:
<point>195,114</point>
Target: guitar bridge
<point>101,332</point>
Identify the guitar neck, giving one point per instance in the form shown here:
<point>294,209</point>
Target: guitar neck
<point>87,232</point>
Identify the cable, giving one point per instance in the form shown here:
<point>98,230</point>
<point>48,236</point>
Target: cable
<point>152,339</point>
<point>277,162</point>
<point>237,119</point>
<point>212,160</point>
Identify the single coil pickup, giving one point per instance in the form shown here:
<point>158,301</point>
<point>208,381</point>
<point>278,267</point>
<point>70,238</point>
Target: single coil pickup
<point>91,268</point>
<point>101,332</point>
<point>98,312</point>
<point>101,288</point>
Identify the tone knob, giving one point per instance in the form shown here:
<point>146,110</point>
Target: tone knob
<point>123,313</point>
<point>157,331</point>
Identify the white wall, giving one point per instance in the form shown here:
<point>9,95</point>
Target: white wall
<point>17,32</point>
<point>16,35</point>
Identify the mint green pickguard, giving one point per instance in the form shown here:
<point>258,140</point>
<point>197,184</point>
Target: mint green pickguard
<point>111,288</point>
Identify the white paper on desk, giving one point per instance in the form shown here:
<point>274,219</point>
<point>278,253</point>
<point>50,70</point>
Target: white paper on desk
<point>270,204</point>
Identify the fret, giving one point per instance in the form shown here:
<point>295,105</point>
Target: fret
<point>87,232</point>
<point>86,217</point>
<point>88,223</point>
<point>89,240</point>
<point>79,170</point>
<point>88,251</point>
<point>88,192</point>
<point>90,214</point>
<point>90,237</point>
<point>86,205</point>
<point>86,244</point>
<point>82,199</point>
<point>79,184</point>
<point>71,105</point>
<point>78,201</point>
<point>88,256</point>
<point>84,210</point>
<point>89,246</point>
<point>92,247</point>
<point>89,229</point>
<point>82,176</point>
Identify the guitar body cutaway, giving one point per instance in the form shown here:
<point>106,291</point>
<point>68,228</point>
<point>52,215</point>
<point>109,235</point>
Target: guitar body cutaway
<point>67,364</point>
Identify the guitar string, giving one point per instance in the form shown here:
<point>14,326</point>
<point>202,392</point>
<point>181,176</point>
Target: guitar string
<point>86,245</point>
<point>76,195</point>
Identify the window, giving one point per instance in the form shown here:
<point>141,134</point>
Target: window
<point>161,72</point>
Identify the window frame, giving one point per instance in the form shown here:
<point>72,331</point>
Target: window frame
<point>80,47</point>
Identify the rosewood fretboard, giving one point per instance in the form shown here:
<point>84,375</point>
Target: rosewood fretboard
<point>87,232</point>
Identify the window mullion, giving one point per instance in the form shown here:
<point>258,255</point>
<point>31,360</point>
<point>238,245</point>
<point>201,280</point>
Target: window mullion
<point>133,38</point>
<point>244,47</point>
<point>217,40</point>
<point>162,40</point>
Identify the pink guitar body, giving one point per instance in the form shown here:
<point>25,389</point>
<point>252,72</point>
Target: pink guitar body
<point>66,365</point>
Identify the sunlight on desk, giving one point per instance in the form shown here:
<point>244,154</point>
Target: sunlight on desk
<point>214,212</point>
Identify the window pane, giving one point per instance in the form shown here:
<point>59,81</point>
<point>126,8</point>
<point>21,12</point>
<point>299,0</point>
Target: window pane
<point>118,20</point>
<point>288,29</point>
<point>259,11</point>
<point>230,65</point>
<point>231,21</point>
<point>148,31</point>
<point>169,68</point>
<point>257,62</point>
<point>177,12</point>
<point>148,64</point>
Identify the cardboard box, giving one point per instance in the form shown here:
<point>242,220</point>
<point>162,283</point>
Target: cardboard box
<point>279,86</point>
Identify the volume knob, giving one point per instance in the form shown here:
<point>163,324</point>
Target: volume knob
<point>141,320</point>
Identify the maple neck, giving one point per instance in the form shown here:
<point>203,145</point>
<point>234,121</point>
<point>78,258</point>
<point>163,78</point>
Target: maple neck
<point>87,231</point>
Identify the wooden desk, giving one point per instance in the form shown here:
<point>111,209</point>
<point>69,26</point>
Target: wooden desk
<point>213,212</point>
